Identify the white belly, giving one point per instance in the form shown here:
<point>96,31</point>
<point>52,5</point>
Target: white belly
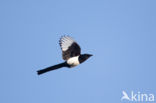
<point>73,61</point>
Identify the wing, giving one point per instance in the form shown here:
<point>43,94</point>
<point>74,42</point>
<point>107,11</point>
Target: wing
<point>69,47</point>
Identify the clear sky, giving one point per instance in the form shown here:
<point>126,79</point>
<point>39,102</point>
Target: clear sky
<point>121,34</point>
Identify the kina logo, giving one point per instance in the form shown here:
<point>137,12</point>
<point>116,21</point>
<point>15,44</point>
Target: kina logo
<point>137,96</point>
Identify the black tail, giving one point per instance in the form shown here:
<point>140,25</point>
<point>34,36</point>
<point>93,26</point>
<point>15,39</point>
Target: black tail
<point>52,68</point>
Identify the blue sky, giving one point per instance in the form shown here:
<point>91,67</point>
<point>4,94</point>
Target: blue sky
<point>121,34</point>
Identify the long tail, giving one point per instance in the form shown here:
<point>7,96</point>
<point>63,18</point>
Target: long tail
<point>52,68</point>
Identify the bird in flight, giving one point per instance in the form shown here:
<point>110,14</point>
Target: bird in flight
<point>71,53</point>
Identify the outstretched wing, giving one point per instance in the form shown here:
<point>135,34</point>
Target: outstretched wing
<point>69,47</point>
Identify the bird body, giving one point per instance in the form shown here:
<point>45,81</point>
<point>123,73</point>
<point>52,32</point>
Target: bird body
<point>74,61</point>
<point>71,53</point>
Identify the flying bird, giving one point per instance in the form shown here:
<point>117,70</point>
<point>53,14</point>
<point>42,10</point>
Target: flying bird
<point>71,53</point>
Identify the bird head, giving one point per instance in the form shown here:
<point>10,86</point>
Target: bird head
<point>84,57</point>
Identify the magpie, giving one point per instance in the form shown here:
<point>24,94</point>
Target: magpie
<point>71,53</point>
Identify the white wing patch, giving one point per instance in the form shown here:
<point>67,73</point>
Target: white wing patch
<point>66,42</point>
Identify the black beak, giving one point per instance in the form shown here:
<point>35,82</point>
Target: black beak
<point>90,55</point>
